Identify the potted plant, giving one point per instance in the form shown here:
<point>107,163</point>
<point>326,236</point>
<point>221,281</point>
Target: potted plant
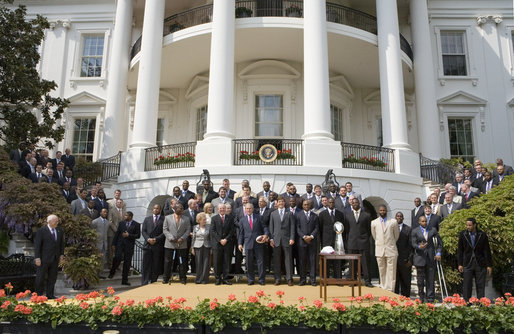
<point>294,11</point>
<point>243,12</point>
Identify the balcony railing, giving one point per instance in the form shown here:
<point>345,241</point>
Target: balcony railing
<point>170,156</point>
<point>265,8</point>
<point>367,157</point>
<point>103,170</point>
<point>290,152</point>
<point>436,171</point>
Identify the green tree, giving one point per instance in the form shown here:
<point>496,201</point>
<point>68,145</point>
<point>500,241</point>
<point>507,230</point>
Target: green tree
<point>494,213</point>
<point>28,111</point>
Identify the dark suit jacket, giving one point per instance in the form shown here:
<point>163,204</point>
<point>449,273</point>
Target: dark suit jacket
<point>307,227</point>
<point>433,222</point>
<point>483,186</point>
<point>15,155</point>
<point>210,196</point>
<point>149,231</point>
<point>220,230</point>
<point>358,233</point>
<point>93,215</point>
<point>72,195</point>
<point>24,169</point>
<point>231,193</point>
<point>507,170</point>
<point>184,198</point>
<point>423,257</point>
<point>99,204</point>
<point>265,217</point>
<point>247,235</point>
<point>33,177</point>
<point>69,161</point>
<point>470,197</point>
<point>126,245</point>
<point>54,163</point>
<point>414,217</point>
<point>46,247</point>
<point>316,204</point>
<point>187,214</point>
<point>481,251</point>
<point>73,182</point>
<point>326,223</point>
<point>253,200</point>
<point>404,246</point>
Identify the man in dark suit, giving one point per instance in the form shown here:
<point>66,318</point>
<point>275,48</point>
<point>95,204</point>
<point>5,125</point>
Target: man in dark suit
<point>153,248</point>
<point>316,200</point>
<point>488,183</point>
<point>327,218</point>
<point>307,229</point>
<point>48,253</point>
<point>176,194</point>
<point>222,235</point>
<point>282,233</point>
<point>467,194</point>
<point>57,160</point>
<point>500,171</point>
<point>265,190</point>
<point>247,190</point>
<point>425,255</point>
<point>264,214</point>
<point>405,253</point>
<point>252,235</point>
<point>15,154</point>
<point>416,212</point>
<point>459,181</point>
<point>68,159</point>
<point>508,170</point>
<point>191,213</point>
<point>208,194</point>
<point>90,211</point>
<point>449,206</point>
<point>433,220</point>
<point>230,192</point>
<point>67,193</point>
<point>342,202</point>
<point>358,233</point>
<point>474,259</point>
<point>38,176</point>
<point>68,177</point>
<point>186,194</point>
<point>123,245</point>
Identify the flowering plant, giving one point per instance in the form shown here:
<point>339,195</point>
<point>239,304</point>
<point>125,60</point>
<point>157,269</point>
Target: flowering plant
<point>172,159</point>
<point>281,155</point>
<point>294,10</point>
<point>264,310</point>
<point>372,161</point>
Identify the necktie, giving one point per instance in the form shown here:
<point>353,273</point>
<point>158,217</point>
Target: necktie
<point>155,221</point>
<point>103,220</point>
<point>356,213</point>
<point>128,225</point>
<point>192,214</point>
<point>251,222</point>
<point>119,212</point>
<point>307,216</point>
<point>467,197</point>
<point>449,208</point>
<point>332,214</point>
<point>472,240</point>
<point>222,219</point>
<point>425,234</point>
<point>281,215</point>
<point>383,224</point>
<point>54,235</point>
<point>38,175</point>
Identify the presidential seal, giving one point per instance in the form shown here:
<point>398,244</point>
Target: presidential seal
<point>268,153</point>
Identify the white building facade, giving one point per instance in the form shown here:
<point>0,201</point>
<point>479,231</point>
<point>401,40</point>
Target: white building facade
<point>320,78</point>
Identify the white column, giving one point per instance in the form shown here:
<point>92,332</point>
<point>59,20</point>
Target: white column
<point>216,148</point>
<point>114,134</point>
<point>319,147</point>
<point>394,120</point>
<point>315,65</point>
<point>426,106</point>
<point>148,81</point>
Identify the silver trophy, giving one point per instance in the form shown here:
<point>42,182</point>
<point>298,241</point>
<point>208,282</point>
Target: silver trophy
<point>339,245</point>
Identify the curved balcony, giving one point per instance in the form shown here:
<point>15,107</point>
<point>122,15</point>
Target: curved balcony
<point>250,8</point>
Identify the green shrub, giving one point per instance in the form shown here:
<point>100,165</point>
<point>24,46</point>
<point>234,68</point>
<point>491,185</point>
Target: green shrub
<point>494,213</point>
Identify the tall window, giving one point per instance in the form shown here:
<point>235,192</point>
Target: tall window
<point>92,53</point>
<point>269,111</point>
<point>453,47</point>
<point>160,132</point>
<point>84,138</point>
<point>461,138</point>
<point>201,122</point>
<point>336,115</point>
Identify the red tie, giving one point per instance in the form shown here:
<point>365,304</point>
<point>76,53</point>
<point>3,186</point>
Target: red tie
<point>251,222</point>
<point>466,197</point>
<point>223,219</point>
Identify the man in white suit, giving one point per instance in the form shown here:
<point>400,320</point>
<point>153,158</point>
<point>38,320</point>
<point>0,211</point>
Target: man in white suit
<point>385,232</point>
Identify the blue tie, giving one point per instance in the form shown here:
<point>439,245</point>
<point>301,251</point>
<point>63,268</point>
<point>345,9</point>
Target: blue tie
<point>472,240</point>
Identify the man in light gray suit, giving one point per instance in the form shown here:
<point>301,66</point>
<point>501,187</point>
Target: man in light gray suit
<point>176,229</point>
<point>79,204</point>
<point>282,229</point>
<point>101,225</point>
<point>222,199</point>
